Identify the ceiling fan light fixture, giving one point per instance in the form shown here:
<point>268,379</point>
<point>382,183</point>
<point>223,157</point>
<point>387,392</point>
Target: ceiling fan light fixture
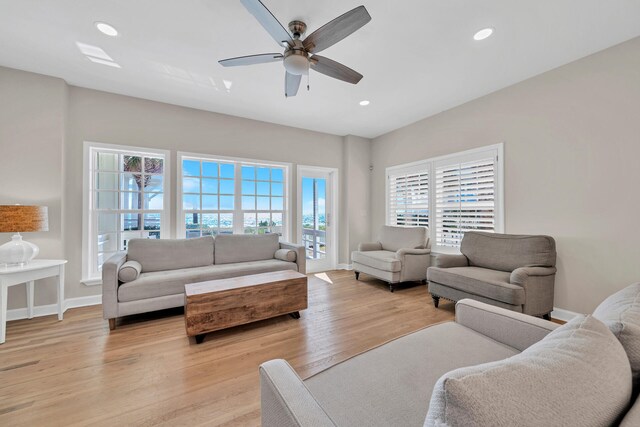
<point>296,64</point>
<point>485,33</point>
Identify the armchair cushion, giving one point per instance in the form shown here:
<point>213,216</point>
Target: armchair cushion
<point>394,238</point>
<point>507,252</point>
<point>382,260</point>
<point>491,284</point>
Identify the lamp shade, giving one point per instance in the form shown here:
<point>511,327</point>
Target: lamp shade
<point>19,218</point>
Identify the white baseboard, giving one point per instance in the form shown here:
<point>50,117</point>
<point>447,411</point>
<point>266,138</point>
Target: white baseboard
<point>562,314</point>
<point>48,310</point>
<point>344,267</point>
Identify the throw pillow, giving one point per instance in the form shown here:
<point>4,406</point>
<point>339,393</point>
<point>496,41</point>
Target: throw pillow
<point>129,271</point>
<point>578,375</point>
<point>621,313</point>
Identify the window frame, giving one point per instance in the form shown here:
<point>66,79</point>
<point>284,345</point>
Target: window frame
<point>430,165</point>
<point>238,212</point>
<point>89,218</point>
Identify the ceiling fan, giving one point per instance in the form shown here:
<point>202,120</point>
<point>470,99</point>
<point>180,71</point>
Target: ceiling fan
<point>300,55</point>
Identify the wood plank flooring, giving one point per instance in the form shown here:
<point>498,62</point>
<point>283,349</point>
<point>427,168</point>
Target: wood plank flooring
<point>148,373</point>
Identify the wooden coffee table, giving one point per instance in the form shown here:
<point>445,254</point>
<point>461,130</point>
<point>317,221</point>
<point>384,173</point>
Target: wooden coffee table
<point>220,304</point>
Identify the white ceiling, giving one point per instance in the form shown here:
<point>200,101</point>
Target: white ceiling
<point>417,56</point>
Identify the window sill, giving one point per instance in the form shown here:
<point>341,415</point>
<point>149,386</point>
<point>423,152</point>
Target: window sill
<point>91,282</point>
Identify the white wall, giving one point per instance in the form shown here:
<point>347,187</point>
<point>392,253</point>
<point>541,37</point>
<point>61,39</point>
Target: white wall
<point>572,156</point>
<point>32,126</point>
<point>44,122</point>
<point>356,189</point>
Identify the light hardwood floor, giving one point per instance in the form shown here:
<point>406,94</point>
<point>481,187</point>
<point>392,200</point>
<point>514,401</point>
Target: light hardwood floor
<point>148,373</point>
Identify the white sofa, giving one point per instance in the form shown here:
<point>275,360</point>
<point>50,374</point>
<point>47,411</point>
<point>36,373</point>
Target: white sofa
<point>401,254</point>
<point>492,366</point>
<point>152,273</point>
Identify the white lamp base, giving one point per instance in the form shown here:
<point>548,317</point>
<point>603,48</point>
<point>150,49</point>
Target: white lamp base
<point>17,251</point>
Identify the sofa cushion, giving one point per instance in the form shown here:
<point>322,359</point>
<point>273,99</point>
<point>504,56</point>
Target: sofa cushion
<point>171,282</point>
<point>507,252</point>
<point>621,313</point>
<point>393,238</point>
<point>632,417</point>
<point>391,385</point>
<point>129,271</point>
<point>492,284</point>
<point>170,254</point>
<point>232,248</point>
<point>382,260</point>
<point>578,375</point>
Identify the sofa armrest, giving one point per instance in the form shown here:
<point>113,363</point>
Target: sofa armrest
<point>450,261</point>
<point>285,401</point>
<point>373,246</point>
<point>110,284</point>
<point>519,276</point>
<point>511,328</point>
<point>301,258</point>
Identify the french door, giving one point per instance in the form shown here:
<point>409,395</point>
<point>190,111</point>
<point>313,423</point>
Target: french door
<point>316,213</point>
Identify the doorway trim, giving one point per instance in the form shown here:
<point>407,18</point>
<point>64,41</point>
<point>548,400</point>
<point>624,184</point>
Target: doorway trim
<point>334,218</point>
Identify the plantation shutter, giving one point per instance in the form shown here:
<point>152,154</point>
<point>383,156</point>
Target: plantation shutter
<point>465,197</point>
<point>408,196</point>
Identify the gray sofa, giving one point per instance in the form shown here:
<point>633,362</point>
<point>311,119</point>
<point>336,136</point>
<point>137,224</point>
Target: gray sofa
<point>506,270</point>
<point>401,254</point>
<point>492,366</point>
<point>151,275</point>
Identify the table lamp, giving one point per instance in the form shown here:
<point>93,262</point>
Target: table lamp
<point>17,219</point>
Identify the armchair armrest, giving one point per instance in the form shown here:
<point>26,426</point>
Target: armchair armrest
<point>110,283</point>
<point>450,261</point>
<point>286,401</point>
<point>374,246</point>
<point>301,258</point>
<point>405,251</point>
<point>520,275</point>
<point>514,329</point>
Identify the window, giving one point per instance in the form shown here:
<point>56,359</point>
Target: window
<point>450,195</point>
<point>409,197</point>
<point>224,196</point>
<point>125,197</point>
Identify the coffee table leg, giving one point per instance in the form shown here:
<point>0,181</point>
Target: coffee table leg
<point>200,338</point>
<point>295,314</point>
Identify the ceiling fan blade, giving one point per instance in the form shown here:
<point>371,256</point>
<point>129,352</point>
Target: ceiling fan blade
<point>334,69</point>
<point>262,58</point>
<point>268,21</point>
<point>334,31</point>
<point>291,84</point>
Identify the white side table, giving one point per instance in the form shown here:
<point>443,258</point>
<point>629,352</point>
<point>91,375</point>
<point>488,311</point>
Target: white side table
<point>35,270</point>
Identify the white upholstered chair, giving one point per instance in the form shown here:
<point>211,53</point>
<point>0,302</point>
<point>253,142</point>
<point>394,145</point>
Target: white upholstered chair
<point>401,254</point>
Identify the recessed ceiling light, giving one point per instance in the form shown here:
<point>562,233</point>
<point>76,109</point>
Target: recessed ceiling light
<point>483,34</point>
<point>364,103</point>
<point>104,62</point>
<point>107,29</point>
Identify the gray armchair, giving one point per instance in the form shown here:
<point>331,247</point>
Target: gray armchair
<point>401,254</point>
<point>505,270</point>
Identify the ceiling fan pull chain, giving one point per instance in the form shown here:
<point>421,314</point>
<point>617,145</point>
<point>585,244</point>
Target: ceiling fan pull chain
<point>308,78</point>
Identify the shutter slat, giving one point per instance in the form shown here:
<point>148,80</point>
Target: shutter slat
<point>465,200</point>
